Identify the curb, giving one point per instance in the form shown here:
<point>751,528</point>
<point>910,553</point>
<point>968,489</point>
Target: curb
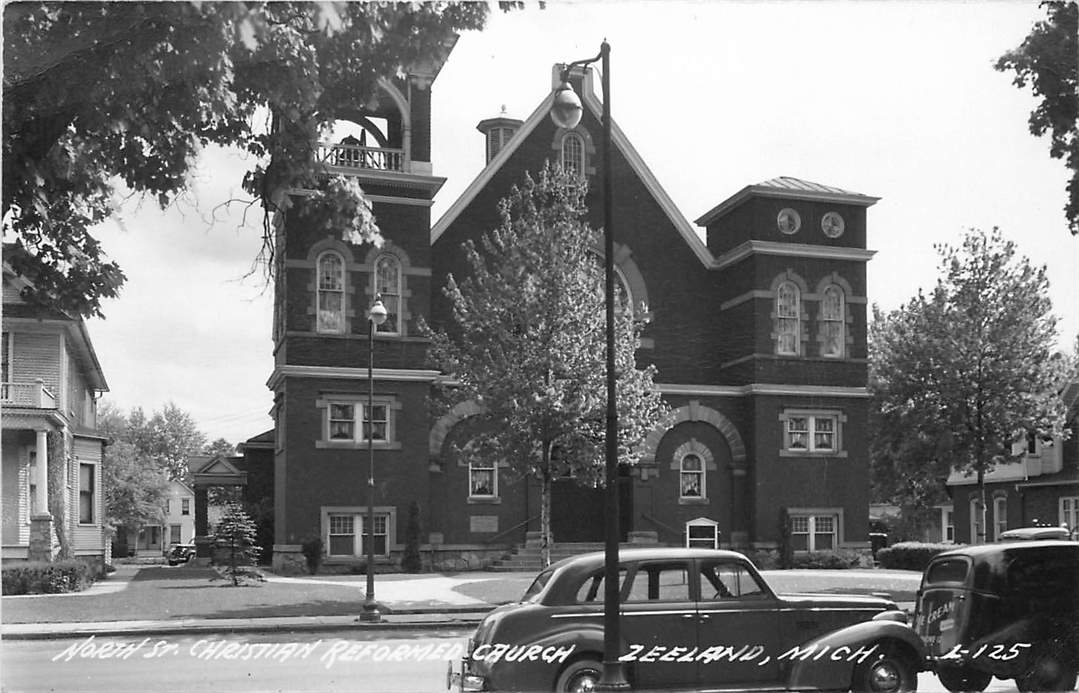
<point>58,631</point>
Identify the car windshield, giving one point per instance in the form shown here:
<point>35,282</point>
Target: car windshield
<point>537,585</point>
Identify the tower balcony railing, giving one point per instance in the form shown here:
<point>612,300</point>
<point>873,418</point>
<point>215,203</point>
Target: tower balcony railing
<point>360,157</point>
<point>34,395</point>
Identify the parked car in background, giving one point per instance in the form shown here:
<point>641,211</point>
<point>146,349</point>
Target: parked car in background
<point>1008,610</point>
<point>180,553</point>
<point>690,619</point>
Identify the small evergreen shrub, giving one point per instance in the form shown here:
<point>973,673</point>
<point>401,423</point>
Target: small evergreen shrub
<point>910,555</point>
<point>236,537</point>
<point>41,577</point>
<point>312,553</point>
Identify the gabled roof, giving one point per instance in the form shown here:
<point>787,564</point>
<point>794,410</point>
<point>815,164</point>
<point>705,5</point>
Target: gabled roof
<point>74,325</point>
<point>790,188</point>
<point>619,141</point>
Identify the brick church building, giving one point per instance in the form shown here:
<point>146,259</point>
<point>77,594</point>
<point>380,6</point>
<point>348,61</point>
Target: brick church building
<point>758,334</point>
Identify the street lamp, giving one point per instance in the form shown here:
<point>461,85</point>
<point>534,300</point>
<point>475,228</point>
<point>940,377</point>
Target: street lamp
<point>375,316</point>
<point>566,112</point>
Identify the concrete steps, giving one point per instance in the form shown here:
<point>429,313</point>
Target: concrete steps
<point>529,558</point>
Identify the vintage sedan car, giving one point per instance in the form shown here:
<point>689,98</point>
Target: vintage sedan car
<point>180,553</point>
<point>690,619</point>
<point>1008,610</point>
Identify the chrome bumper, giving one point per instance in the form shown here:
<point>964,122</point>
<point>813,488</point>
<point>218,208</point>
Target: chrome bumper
<point>462,681</point>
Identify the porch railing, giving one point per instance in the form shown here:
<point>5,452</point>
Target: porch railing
<point>356,156</point>
<point>34,395</point>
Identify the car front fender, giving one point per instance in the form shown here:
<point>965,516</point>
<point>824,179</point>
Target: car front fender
<point>828,661</point>
<point>526,666</point>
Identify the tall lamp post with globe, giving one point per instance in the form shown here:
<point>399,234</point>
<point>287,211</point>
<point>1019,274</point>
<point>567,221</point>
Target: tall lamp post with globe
<point>566,112</point>
<point>375,317</point>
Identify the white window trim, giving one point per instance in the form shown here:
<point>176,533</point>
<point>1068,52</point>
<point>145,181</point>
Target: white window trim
<point>1000,503</point>
<point>701,473</point>
<point>359,404</point>
<point>947,520</point>
<point>975,519</point>
<point>812,514</point>
<point>95,483</point>
<point>359,516</point>
<point>487,497</point>
<point>812,415</point>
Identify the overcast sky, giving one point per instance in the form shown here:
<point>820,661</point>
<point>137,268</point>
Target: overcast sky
<point>898,100</point>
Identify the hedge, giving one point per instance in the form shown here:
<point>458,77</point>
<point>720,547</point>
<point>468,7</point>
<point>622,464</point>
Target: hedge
<point>41,577</point>
<point>910,555</point>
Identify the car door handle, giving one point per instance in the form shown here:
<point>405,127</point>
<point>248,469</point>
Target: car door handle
<point>689,615</point>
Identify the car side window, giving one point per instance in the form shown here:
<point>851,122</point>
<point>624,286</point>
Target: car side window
<point>728,581</point>
<point>591,590</point>
<point>667,582</point>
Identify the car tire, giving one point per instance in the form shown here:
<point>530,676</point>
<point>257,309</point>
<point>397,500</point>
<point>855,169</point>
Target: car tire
<point>1048,674</point>
<point>964,679</point>
<point>580,676</point>
<point>889,672</point>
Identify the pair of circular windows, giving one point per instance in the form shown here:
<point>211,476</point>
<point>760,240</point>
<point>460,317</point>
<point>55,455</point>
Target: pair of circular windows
<point>789,222</point>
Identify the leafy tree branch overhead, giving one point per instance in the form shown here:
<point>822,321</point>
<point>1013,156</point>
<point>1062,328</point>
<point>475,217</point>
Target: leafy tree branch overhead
<point>1048,60</point>
<point>98,94</point>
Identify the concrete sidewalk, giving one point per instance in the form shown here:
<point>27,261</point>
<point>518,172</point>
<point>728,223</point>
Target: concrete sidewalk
<point>182,600</point>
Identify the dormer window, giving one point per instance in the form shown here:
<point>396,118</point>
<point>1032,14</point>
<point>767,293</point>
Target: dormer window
<point>573,154</point>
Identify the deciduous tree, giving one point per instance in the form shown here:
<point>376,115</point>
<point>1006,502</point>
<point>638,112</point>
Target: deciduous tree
<point>1048,60</point>
<point>959,375</point>
<point>527,343</point>
<point>96,92</point>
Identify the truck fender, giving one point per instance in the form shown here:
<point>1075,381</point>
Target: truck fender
<point>831,658</point>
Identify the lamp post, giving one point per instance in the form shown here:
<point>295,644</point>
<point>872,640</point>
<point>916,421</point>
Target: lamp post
<point>375,316</point>
<point>566,112</point>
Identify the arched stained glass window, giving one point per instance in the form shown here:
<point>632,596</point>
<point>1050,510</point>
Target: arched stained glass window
<point>388,286</point>
<point>832,322</point>
<point>788,320</point>
<point>331,293</point>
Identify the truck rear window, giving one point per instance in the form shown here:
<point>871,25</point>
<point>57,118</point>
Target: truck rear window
<point>948,570</point>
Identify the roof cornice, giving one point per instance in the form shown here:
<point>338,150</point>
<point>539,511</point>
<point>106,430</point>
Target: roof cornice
<point>802,250</point>
<point>768,191</point>
<point>346,373</point>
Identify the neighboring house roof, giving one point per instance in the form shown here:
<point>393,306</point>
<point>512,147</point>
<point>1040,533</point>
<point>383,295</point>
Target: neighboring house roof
<point>184,488</point>
<point>215,469</point>
<point>619,142</point>
<point>75,326</point>
<point>262,440</point>
<point>789,188</point>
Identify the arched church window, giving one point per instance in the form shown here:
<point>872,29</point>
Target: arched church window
<point>832,322</point>
<point>331,293</point>
<point>788,318</point>
<point>388,286</point>
<point>573,154</point>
